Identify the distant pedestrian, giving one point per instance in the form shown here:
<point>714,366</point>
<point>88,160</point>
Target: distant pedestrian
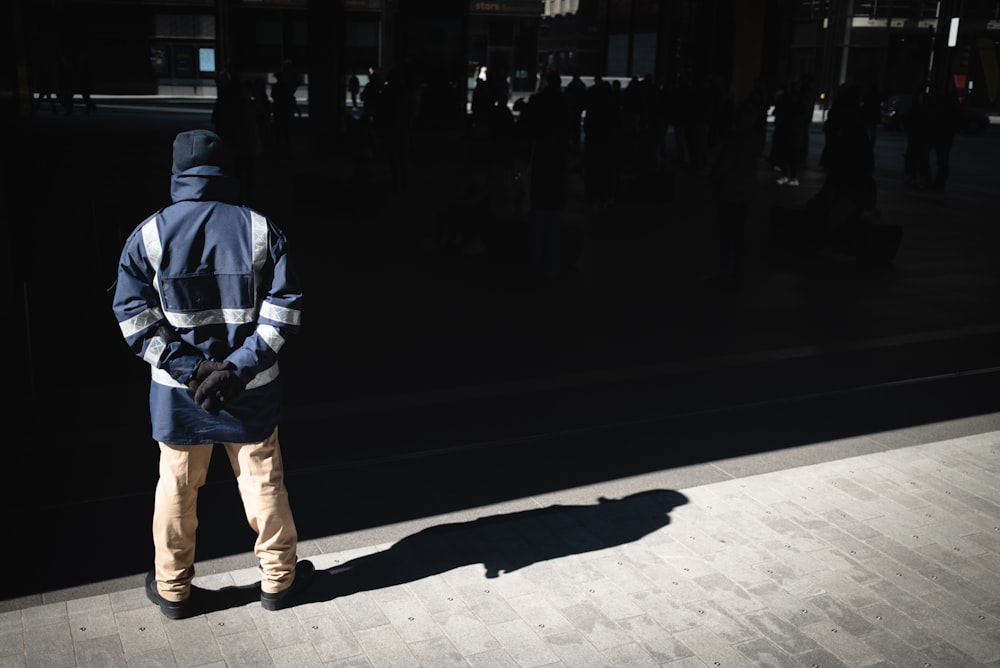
<point>792,115</point>
<point>545,123</point>
<point>207,296</point>
<point>916,160</point>
<point>234,119</point>
<point>734,180</point>
<point>943,119</point>
<point>354,88</point>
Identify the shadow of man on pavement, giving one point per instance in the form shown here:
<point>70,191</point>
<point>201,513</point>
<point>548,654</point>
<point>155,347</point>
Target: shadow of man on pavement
<point>502,543</point>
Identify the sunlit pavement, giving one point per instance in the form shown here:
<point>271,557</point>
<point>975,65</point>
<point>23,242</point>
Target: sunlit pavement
<point>890,558</point>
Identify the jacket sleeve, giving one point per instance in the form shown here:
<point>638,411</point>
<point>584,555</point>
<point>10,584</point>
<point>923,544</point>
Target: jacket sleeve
<point>280,313</point>
<point>137,308</point>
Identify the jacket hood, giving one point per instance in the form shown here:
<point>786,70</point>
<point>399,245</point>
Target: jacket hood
<point>204,182</point>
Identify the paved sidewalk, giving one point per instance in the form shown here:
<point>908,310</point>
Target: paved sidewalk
<point>890,558</point>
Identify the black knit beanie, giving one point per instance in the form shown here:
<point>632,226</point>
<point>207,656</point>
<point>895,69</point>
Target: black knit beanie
<point>199,147</point>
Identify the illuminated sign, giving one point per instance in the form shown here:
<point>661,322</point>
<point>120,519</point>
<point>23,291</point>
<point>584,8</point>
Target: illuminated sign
<point>506,7</point>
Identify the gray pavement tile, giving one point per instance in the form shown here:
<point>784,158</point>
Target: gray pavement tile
<point>611,601</point>
<point>411,620</point>
<point>792,609</point>
<point>781,632</point>
<point>231,621</point>
<point>437,652</point>
<point>100,652</point>
<point>632,655</point>
<point>278,628</point>
<point>709,647</point>
<point>540,615</point>
<point>45,615</point>
<point>331,637</point>
<point>496,658</point>
<point>574,650</point>
<point>663,610</point>
<point>193,642</point>
<point>844,589</point>
<point>885,616</point>
<point>763,653</point>
<point>895,650</point>
<point>435,594</point>
<point>91,618</point>
<point>716,619</point>
<point>981,646</point>
<point>847,647</point>
<point>244,649</point>
<point>847,542</point>
<point>522,643</point>
<point>661,645</point>
<point>679,585</point>
<point>487,604</point>
<point>296,656</point>
<point>842,615</point>
<point>600,631</point>
<point>142,630</point>
<point>359,661</point>
<point>384,647</point>
<point>622,571</point>
<point>466,631</point>
<point>163,658</point>
<point>361,611</point>
<point>50,645</point>
<point>948,656</point>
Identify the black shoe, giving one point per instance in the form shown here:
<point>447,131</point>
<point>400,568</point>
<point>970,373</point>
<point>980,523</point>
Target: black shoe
<point>304,571</point>
<point>170,609</point>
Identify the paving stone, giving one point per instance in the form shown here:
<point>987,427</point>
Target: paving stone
<point>141,631</point>
<point>497,658</point>
<point>521,642</point>
<point>487,604</point>
<point>632,655</point>
<point>574,650</point>
<point>49,645</point>
<point>296,656</point>
<point>192,641</point>
<point>244,649</point>
<point>91,617</point>
<point>466,631</point>
<point>598,629</point>
<point>437,652</point>
<point>411,620</point>
<point>100,652</point>
<point>331,637</point>
<point>278,628</point>
<point>843,645</point>
<point>710,647</point>
<point>765,654</point>
<point>793,609</point>
<point>660,644</point>
<point>604,596</point>
<point>780,632</point>
<point>361,611</point>
<point>662,609</point>
<point>383,647</point>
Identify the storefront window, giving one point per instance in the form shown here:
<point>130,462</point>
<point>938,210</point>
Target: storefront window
<point>184,62</point>
<point>160,61</point>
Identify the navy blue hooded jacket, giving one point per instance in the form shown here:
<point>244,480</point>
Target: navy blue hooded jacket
<point>208,279</point>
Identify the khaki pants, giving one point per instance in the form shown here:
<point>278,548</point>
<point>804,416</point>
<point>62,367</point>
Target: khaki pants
<point>260,476</point>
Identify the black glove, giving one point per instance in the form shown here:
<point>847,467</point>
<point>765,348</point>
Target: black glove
<point>221,387</point>
<point>204,370</point>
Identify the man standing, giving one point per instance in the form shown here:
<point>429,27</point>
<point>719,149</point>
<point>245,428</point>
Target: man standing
<point>207,296</point>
